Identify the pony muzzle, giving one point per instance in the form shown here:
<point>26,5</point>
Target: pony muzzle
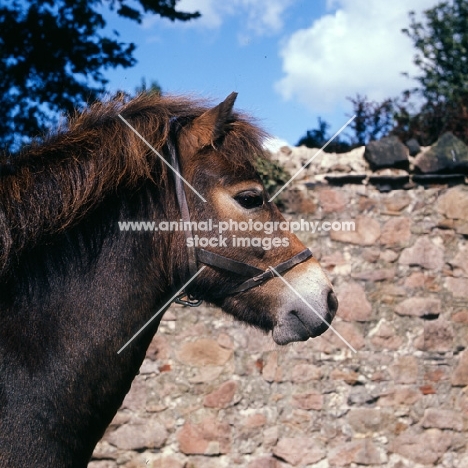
<point>308,308</point>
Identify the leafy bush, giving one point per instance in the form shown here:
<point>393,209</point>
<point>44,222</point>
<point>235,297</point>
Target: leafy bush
<point>273,176</point>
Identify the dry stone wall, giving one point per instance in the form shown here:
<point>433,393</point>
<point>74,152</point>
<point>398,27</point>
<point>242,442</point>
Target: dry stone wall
<point>214,393</point>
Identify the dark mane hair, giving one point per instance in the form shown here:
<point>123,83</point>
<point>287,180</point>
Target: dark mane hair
<point>54,184</point>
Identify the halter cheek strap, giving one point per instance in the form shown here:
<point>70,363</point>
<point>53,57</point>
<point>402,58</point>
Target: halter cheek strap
<point>183,206</point>
<point>195,255</point>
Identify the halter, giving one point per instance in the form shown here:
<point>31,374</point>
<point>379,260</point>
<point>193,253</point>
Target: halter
<point>255,275</point>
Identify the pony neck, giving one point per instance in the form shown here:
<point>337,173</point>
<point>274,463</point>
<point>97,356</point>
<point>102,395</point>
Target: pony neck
<point>74,316</point>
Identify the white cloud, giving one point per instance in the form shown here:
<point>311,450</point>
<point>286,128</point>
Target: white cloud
<point>264,16</point>
<point>357,49</point>
<point>274,144</point>
<point>259,17</point>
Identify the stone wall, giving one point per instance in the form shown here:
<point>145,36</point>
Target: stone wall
<point>214,393</point>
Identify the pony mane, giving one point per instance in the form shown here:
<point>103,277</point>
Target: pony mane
<point>54,184</point>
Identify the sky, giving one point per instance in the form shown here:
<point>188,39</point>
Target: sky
<point>291,61</point>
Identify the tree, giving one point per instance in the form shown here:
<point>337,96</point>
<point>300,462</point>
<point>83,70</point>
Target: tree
<point>373,119</point>
<point>441,41</point>
<point>442,44</point>
<point>52,57</point>
<point>319,136</point>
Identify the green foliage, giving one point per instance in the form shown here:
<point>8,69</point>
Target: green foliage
<point>319,136</point>
<point>273,175</point>
<point>441,41</point>
<point>428,122</point>
<point>442,45</point>
<point>151,88</point>
<point>373,119</point>
<point>52,57</point>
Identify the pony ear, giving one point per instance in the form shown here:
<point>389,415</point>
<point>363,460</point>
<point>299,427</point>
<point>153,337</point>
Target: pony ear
<point>209,126</point>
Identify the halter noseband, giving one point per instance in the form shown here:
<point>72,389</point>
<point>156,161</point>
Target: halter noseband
<point>195,255</point>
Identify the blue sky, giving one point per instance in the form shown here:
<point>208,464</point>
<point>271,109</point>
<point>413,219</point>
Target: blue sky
<point>290,60</point>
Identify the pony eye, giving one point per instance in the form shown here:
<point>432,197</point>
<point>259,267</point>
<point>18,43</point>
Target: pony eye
<point>249,200</point>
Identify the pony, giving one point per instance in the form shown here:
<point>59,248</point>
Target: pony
<point>75,287</point>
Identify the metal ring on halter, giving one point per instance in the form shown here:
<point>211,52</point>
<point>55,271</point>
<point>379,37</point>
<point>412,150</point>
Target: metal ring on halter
<point>190,302</point>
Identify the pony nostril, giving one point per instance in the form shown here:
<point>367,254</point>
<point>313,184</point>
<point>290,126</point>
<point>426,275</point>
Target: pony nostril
<point>332,302</point>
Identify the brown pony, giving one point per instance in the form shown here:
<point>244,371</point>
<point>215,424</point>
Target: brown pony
<point>74,287</point>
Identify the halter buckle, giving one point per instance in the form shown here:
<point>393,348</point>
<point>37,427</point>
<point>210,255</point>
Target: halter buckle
<point>267,274</point>
<point>190,301</point>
